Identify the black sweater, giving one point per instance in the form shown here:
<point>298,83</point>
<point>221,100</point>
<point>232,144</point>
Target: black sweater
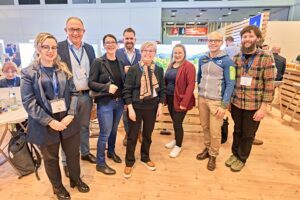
<point>131,91</point>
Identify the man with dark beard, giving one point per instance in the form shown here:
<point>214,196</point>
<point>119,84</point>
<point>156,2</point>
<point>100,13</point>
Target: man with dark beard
<point>128,56</point>
<point>254,89</point>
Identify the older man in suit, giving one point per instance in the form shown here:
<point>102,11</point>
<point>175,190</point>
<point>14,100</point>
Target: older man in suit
<point>79,56</point>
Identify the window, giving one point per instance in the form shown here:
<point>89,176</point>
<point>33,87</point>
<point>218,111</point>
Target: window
<point>24,2</point>
<point>135,1</point>
<point>56,1</point>
<point>112,1</point>
<point>7,2</point>
<point>83,1</point>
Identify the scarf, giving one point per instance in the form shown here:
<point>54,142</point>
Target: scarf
<point>146,89</point>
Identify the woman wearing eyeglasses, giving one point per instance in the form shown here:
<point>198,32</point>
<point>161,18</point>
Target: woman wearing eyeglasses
<point>106,80</point>
<point>11,79</point>
<point>144,96</point>
<point>49,97</point>
<point>180,84</point>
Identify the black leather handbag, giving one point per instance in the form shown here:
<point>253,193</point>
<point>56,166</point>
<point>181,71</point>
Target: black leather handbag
<point>224,131</point>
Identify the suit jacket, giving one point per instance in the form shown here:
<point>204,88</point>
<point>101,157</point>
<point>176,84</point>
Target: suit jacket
<point>63,52</point>
<point>121,55</point>
<point>3,82</point>
<point>39,109</point>
<point>101,77</point>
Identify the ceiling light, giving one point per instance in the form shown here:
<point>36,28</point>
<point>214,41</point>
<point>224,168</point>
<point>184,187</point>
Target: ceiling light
<point>220,18</point>
<point>234,9</point>
<point>224,15</point>
<point>173,11</point>
<point>170,23</point>
<point>229,13</point>
<point>203,10</point>
<point>201,13</point>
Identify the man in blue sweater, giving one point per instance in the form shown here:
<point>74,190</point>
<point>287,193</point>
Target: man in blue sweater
<point>128,56</point>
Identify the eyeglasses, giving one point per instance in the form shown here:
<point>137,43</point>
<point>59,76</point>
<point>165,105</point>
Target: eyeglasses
<point>148,51</point>
<point>10,72</point>
<point>110,43</point>
<point>47,48</point>
<point>73,30</point>
<point>214,41</point>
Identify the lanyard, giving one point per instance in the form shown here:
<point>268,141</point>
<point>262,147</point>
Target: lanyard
<point>54,82</point>
<point>132,59</point>
<point>14,84</point>
<point>75,56</point>
<point>248,65</point>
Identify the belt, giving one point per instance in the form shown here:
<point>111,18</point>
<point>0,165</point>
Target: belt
<point>81,92</point>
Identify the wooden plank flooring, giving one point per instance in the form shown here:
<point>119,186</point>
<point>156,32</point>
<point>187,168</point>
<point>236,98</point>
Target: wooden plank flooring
<point>272,172</point>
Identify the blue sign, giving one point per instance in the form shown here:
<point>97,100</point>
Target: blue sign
<point>256,21</point>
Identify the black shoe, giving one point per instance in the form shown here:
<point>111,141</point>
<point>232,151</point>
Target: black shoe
<point>114,157</point>
<point>203,155</point>
<point>90,157</point>
<point>61,193</point>
<point>105,169</point>
<point>66,170</point>
<point>211,165</point>
<point>81,186</point>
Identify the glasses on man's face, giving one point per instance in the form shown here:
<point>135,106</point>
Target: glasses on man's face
<point>110,43</point>
<point>73,30</point>
<point>214,41</point>
<point>47,48</point>
<point>148,51</point>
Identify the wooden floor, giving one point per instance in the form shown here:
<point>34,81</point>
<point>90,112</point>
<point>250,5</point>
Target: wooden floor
<point>272,172</point>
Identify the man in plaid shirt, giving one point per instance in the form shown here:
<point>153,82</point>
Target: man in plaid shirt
<point>254,89</point>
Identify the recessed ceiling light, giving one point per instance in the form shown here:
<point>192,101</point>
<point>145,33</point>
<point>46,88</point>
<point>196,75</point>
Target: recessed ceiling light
<point>170,23</point>
<point>201,13</point>
<point>224,15</point>
<point>229,13</point>
<point>203,10</point>
<point>234,9</point>
<point>191,23</point>
<point>173,11</point>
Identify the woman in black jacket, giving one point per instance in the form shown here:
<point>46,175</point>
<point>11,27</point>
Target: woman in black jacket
<point>144,96</point>
<point>106,81</point>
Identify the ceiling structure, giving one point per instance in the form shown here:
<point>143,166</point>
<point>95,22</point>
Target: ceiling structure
<point>203,15</point>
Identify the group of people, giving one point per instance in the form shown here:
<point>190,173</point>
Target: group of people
<point>59,87</point>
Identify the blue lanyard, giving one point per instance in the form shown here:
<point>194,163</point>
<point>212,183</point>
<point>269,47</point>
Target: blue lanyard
<point>54,82</point>
<point>248,66</point>
<point>74,54</point>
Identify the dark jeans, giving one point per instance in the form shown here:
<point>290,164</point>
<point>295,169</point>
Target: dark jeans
<point>50,153</point>
<point>109,117</point>
<point>244,132</point>
<point>148,117</point>
<point>177,118</point>
<point>126,122</point>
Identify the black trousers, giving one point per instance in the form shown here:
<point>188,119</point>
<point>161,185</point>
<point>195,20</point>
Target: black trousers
<point>148,117</point>
<point>244,132</point>
<point>177,118</point>
<point>50,153</point>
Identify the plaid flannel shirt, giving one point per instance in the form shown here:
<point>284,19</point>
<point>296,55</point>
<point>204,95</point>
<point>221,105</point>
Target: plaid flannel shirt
<point>261,90</point>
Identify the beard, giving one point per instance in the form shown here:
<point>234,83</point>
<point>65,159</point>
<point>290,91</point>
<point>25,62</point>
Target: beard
<point>248,50</point>
<point>129,45</point>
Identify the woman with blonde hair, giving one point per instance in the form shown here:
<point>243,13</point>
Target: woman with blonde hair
<point>144,96</point>
<point>49,97</point>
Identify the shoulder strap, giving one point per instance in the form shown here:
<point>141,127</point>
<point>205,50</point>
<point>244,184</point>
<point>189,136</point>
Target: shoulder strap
<point>37,159</point>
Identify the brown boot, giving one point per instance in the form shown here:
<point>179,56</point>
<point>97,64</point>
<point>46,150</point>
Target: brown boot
<point>125,141</point>
<point>203,155</point>
<point>211,165</point>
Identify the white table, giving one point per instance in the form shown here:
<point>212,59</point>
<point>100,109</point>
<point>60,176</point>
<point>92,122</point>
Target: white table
<point>7,118</point>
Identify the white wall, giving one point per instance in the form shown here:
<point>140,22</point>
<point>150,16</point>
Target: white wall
<point>286,36</point>
<point>295,11</point>
<point>21,25</point>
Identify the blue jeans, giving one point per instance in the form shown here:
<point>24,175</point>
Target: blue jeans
<point>109,117</point>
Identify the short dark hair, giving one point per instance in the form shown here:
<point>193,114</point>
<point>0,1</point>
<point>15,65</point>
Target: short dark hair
<point>109,35</point>
<point>229,38</point>
<point>129,30</point>
<point>250,28</point>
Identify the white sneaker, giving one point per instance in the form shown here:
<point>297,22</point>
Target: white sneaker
<point>175,152</point>
<point>171,144</point>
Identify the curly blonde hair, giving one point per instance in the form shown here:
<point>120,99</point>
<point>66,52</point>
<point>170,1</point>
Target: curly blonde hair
<point>38,42</point>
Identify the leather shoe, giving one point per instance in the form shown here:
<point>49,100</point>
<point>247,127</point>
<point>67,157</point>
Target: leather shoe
<point>90,157</point>
<point>203,155</point>
<point>114,157</point>
<point>81,186</point>
<point>61,193</point>
<point>66,170</point>
<point>105,169</point>
<point>211,165</point>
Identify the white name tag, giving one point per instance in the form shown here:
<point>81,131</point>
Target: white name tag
<point>58,105</point>
<point>246,81</point>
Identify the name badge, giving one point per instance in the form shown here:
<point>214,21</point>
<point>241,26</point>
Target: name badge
<point>246,81</point>
<point>58,105</point>
<point>81,74</point>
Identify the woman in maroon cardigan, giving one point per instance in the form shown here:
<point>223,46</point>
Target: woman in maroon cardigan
<point>180,84</point>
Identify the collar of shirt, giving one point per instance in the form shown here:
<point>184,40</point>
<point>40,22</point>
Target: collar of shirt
<point>73,46</point>
<point>130,52</point>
